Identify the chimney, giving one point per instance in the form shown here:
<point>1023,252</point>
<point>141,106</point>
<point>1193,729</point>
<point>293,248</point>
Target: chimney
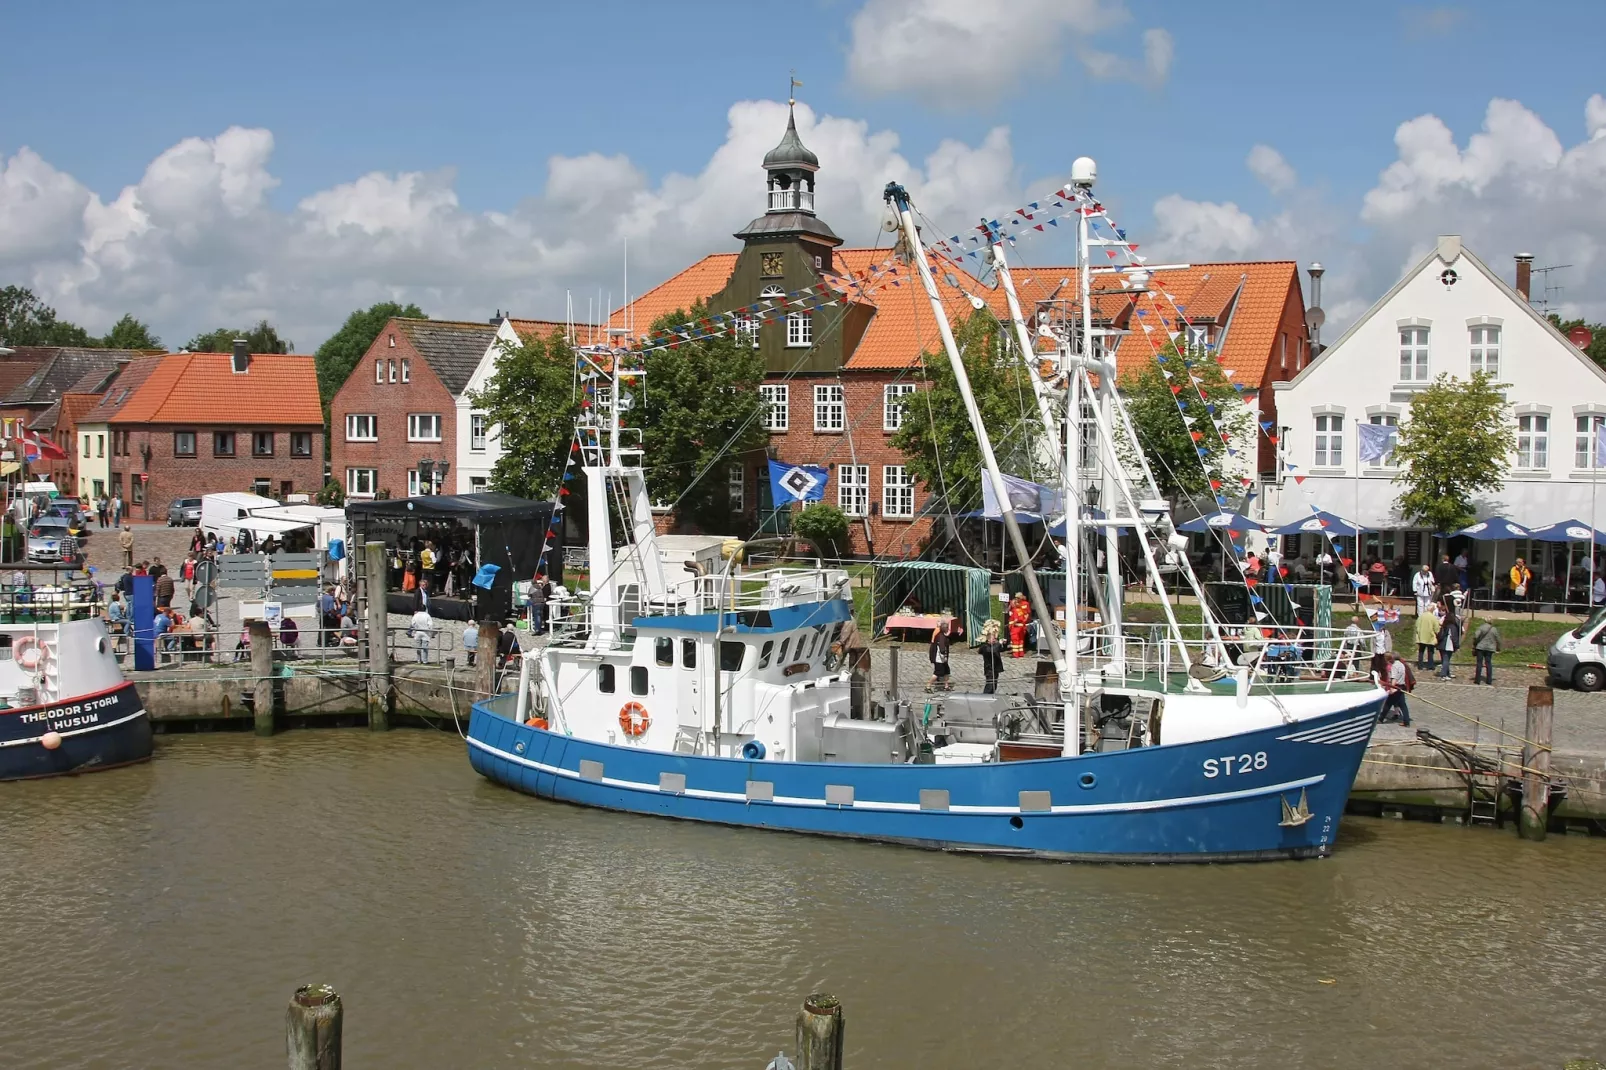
<point>497,319</point>
<point>242,356</point>
<point>1314,316</point>
<point>1525,266</point>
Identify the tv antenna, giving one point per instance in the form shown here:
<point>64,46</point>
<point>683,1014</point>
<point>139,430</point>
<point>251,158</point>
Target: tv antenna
<point>1549,288</point>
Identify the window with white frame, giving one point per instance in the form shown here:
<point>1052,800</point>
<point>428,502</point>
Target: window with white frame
<point>476,484</point>
<point>379,371</point>
<point>1329,441</point>
<point>1533,440</point>
<point>853,488</point>
<point>777,414</point>
<point>423,427</point>
<point>406,370</point>
<point>799,330</point>
<point>390,370</point>
<point>745,331</point>
<point>1384,419</point>
<point>892,402</point>
<point>1485,352</point>
<point>736,488</point>
<point>360,482</point>
<point>415,486</point>
<point>770,293</point>
<point>1588,428</point>
<point>1413,354</point>
<point>362,427</point>
<point>897,491</point>
<point>476,431</point>
<point>828,414</point>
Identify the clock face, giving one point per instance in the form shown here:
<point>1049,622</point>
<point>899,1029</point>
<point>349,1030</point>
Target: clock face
<point>774,265</point>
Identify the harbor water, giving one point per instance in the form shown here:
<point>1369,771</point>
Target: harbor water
<point>162,915</point>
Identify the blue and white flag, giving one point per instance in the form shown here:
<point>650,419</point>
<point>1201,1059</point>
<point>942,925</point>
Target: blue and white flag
<point>797,482</point>
<point>1377,440</point>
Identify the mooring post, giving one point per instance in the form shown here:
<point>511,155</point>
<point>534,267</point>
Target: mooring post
<point>485,659</point>
<point>378,626</point>
<point>892,671</point>
<point>262,673</point>
<point>819,1033</point>
<point>312,1027</point>
<point>1536,764</point>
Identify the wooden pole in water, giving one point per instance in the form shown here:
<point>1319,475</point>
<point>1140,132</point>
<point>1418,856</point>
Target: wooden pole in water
<point>312,1027</point>
<point>378,625</point>
<point>819,1033</point>
<point>262,672</point>
<point>485,659</point>
<point>1536,764</point>
<point>892,671</point>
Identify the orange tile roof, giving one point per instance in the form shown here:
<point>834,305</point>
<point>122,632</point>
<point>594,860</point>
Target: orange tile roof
<point>699,282</point>
<point>539,328</point>
<point>203,388</point>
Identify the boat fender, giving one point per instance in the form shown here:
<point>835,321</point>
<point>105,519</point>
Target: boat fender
<point>634,720</point>
<point>536,722</point>
<point>27,652</point>
<point>50,740</point>
<point>753,751</point>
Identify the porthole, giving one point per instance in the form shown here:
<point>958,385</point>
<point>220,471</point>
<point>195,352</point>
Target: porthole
<point>100,644</point>
<point>1087,780</point>
<point>1016,823</point>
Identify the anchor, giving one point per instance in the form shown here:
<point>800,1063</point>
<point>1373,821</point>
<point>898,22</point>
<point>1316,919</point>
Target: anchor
<point>1295,816</point>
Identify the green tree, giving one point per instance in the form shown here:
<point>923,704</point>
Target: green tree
<point>531,402</point>
<point>332,494</point>
<point>936,439</point>
<point>825,526</point>
<point>1453,446</point>
<point>1172,445</point>
<point>130,333</point>
<point>339,355</point>
<point>263,338</point>
<point>1596,349</point>
<point>27,321</point>
<point>699,412</point>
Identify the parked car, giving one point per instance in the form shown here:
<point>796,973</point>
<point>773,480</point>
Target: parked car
<point>184,513</point>
<point>1578,658</point>
<point>69,510</point>
<point>50,539</point>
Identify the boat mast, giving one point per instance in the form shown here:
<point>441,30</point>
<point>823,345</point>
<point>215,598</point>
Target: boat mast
<point>898,197</point>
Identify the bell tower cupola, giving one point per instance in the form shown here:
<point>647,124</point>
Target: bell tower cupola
<point>790,169</point>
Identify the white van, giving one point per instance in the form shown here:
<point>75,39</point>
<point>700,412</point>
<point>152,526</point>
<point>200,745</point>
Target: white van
<point>1578,658</point>
<point>220,511</point>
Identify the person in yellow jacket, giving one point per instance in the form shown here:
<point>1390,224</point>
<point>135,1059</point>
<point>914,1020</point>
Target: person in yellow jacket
<point>1427,635</point>
<point>1521,580</point>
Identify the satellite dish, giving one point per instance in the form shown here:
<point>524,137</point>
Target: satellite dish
<point>1315,316</point>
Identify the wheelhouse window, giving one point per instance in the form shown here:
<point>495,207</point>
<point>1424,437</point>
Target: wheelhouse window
<point>730,655</point>
<point>828,408</point>
<point>638,679</point>
<point>1485,352</point>
<point>663,650</point>
<point>1533,441</point>
<point>1329,441</point>
<point>183,444</point>
<point>777,416</point>
<point>688,653</point>
<point>1413,354</point>
<point>605,679</point>
<point>765,652</point>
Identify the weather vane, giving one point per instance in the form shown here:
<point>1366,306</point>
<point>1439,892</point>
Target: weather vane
<point>791,97</point>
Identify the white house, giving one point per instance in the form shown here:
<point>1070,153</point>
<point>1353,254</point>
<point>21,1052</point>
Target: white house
<point>1449,314</point>
<point>478,449</point>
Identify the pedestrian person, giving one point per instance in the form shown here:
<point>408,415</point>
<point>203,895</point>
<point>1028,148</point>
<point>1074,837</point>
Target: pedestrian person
<point>101,509</point>
<point>540,591</point>
<point>1356,643</point>
<point>1521,580</point>
<point>937,653</point>
<point>1422,587</point>
<point>1445,574</point>
<point>1398,682</point>
<point>117,509</point>
<point>421,628</point>
<point>1462,575</point>
<point>1427,635</point>
<point>126,541</point>
<point>991,649</point>
<point>1485,645</point>
<point>421,595</point>
<point>471,641</point>
<point>164,589</point>
<point>1020,615</point>
<point>1382,647</point>
<point>1449,638</point>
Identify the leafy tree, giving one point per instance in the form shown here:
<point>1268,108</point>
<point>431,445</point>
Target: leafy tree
<point>1596,349</point>
<point>825,526</point>
<point>531,403</point>
<point>27,321</point>
<point>1453,446</point>
<point>130,333</point>
<point>331,493</point>
<point>936,438</point>
<point>263,338</point>
<point>699,413</point>
<point>1172,445</point>
<point>339,355</point>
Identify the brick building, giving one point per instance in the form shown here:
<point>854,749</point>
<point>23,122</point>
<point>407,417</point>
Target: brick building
<point>35,402</point>
<point>186,424</point>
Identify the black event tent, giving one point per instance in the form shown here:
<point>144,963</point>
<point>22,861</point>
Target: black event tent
<point>502,530</point>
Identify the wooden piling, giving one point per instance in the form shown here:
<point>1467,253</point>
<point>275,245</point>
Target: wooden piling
<point>262,673</point>
<point>892,671</point>
<point>1536,764</point>
<point>312,1027</point>
<point>819,1033</point>
<point>377,625</point>
<point>485,659</point>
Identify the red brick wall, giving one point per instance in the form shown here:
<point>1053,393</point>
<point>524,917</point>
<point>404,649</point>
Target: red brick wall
<point>205,473</point>
<point>392,455</point>
<point>1298,355</point>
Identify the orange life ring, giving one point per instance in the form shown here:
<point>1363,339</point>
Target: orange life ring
<point>633,719</point>
<point>27,652</point>
<point>536,722</point>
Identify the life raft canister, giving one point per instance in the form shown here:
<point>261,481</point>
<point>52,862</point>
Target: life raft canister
<point>634,720</point>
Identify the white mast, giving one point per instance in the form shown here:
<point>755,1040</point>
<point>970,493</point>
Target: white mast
<point>1047,631</point>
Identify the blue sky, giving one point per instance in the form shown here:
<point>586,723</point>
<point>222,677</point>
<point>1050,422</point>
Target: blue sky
<point>478,97</point>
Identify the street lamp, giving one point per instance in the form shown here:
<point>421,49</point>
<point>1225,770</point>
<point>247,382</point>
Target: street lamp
<point>441,468</point>
<point>426,476</point>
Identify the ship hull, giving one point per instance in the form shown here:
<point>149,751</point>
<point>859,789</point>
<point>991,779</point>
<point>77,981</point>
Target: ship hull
<point>97,731</point>
<point>1240,798</point>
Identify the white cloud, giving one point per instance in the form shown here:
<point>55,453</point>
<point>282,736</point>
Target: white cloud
<point>1274,172</point>
<point>196,243</point>
<point>959,52</point>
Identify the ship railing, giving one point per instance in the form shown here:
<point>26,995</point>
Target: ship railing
<point>1307,657</point>
<point>28,603</point>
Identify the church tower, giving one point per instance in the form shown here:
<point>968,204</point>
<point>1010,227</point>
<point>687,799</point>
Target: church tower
<point>791,168</point>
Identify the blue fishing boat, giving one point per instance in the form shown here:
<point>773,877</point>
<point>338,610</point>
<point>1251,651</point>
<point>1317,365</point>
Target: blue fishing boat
<point>727,696</point>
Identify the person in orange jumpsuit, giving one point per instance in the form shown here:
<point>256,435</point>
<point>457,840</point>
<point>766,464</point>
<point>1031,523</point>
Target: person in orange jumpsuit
<point>1020,615</point>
